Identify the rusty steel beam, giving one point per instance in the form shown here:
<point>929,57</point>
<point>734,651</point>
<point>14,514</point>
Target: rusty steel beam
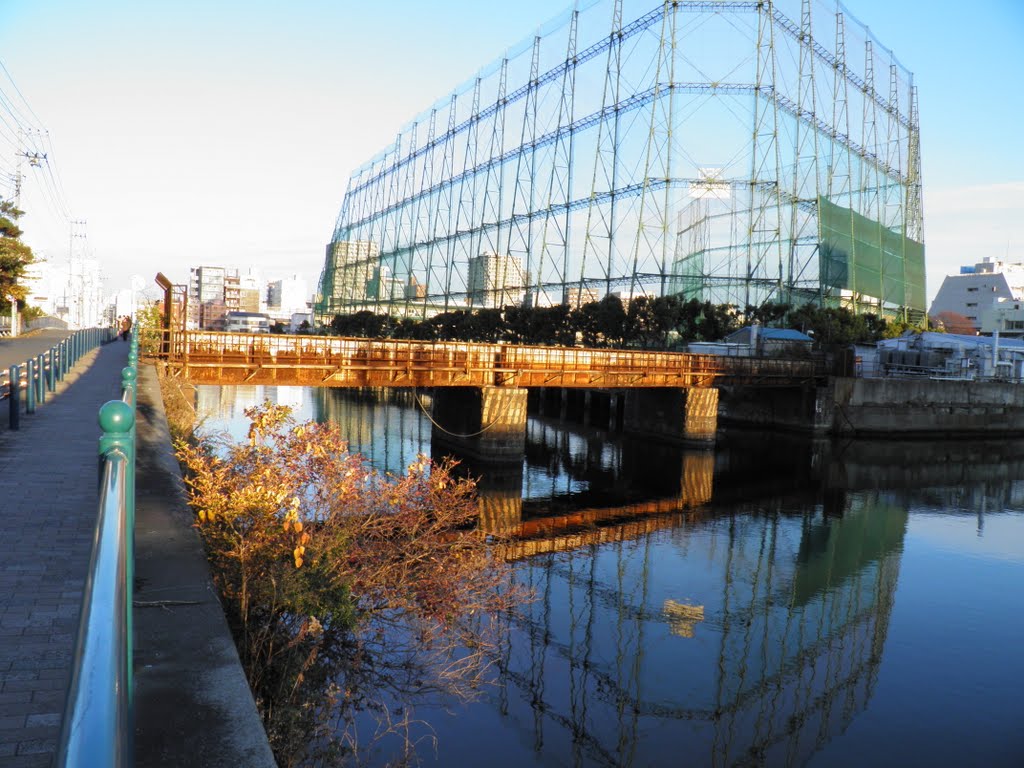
<point>229,358</point>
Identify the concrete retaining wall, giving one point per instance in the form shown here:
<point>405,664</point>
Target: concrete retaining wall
<point>927,407</point>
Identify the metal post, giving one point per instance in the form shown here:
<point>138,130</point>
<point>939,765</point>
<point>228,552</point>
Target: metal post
<point>128,383</point>
<point>14,384</point>
<point>30,389</point>
<point>51,373</point>
<point>63,359</point>
<point>41,379</point>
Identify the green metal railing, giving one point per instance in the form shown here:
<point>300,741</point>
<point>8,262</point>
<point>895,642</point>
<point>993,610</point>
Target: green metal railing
<point>25,385</point>
<point>98,717</point>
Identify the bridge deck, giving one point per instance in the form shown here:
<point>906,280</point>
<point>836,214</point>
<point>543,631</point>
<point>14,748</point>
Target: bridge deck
<point>232,358</point>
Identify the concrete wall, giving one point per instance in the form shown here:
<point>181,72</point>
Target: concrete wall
<point>800,409</point>
<point>926,407</point>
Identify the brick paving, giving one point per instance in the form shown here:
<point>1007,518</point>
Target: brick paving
<point>48,501</point>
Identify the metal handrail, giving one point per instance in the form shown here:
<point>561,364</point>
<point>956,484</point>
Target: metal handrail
<point>97,716</point>
<point>99,713</point>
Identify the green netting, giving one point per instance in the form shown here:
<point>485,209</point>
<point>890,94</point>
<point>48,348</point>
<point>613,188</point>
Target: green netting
<point>860,255</point>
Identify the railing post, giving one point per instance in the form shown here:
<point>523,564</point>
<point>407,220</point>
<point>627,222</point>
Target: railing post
<point>14,400</point>
<point>51,372</point>
<point>30,389</point>
<point>128,378</point>
<point>41,379</point>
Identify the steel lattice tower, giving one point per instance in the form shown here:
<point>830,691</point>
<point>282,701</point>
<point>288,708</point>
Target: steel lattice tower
<point>739,151</point>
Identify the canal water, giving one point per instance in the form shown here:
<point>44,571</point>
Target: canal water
<point>774,602</point>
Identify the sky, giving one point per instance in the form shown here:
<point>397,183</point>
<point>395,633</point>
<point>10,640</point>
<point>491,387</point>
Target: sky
<point>221,132</point>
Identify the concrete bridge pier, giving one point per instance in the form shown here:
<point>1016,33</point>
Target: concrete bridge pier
<point>484,423</point>
<point>690,415</point>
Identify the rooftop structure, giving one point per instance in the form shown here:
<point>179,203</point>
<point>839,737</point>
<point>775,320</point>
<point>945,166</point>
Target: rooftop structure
<point>736,151</point>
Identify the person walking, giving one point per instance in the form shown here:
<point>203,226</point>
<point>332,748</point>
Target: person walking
<point>126,327</point>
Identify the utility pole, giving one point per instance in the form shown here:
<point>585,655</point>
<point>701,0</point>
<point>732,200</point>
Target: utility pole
<point>34,159</point>
<point>76,279</point>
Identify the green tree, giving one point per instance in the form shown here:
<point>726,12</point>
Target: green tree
<point>15,256</point>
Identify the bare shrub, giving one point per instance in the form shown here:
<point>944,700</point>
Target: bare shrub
<point>350,591</point>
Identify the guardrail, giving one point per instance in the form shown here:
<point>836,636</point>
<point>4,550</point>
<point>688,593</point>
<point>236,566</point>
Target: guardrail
<point>24,385</point>
<point>99,715</point>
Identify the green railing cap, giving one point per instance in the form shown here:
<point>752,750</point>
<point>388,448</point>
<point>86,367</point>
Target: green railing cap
<point>116,416</point>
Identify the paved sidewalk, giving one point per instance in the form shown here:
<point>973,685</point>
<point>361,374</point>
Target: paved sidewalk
<point>49,499</point>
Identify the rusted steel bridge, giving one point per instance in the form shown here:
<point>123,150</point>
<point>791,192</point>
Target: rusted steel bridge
<point>206,357</point>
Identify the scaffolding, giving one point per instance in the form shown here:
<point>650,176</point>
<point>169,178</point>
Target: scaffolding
<point>736,151</point>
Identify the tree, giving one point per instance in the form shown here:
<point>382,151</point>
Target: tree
<point>954,322</point>
<point>15,256</point>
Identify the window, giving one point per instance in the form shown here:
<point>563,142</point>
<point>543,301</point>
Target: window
<point>973,290</point>
<point>972,304</point>
<point>971,317</point>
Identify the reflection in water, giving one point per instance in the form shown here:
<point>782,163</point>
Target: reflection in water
<point>723,608</point>
<point>744,638</point>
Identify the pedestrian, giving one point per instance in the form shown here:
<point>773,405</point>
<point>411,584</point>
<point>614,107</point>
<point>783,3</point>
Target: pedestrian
<point>126,327</point>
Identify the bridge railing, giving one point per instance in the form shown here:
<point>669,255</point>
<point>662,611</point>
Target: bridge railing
<point>355,362</point>
<point>98,715</point>
<point>25,385</point>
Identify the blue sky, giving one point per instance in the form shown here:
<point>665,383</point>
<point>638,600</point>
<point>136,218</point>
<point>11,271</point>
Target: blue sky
<point>224,132</point>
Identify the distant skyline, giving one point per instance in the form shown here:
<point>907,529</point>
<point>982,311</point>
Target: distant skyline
<point>224,133</point>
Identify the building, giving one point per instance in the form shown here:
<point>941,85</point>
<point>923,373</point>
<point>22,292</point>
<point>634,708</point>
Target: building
<point>1005,317</point>
<point>215,291</point>
<point>286,297</point>
<point>772,342</point>
<point>384,286</point>
<point>963,299</point>
<point>495,280</point>
<point>348,269</point>
<point>246,322</point>
<point>206,296</point>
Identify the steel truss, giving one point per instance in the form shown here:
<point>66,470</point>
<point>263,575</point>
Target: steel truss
<point>709,149</point>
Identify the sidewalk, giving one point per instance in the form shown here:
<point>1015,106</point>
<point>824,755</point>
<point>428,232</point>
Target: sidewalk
<point>193,706</point>
<point>49,499</point>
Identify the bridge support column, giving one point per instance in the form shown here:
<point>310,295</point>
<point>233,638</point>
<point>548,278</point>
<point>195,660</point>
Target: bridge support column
<point>485,423</point>
<point>690,415</point>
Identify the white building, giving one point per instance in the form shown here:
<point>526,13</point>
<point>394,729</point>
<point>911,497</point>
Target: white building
<point>1006,317</point>
<point>977,288</point>
<point>495,280</point>
<point>45,286</point>
<point>286,297</point>
<point>246,322</point>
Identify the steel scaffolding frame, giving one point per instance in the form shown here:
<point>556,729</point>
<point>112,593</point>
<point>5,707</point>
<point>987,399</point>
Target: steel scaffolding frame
<point>688,151</point>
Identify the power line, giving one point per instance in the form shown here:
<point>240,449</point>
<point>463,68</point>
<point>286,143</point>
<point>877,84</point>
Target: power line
<point>18,91</point>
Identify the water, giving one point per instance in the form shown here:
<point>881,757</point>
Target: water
<point>775,602</point>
